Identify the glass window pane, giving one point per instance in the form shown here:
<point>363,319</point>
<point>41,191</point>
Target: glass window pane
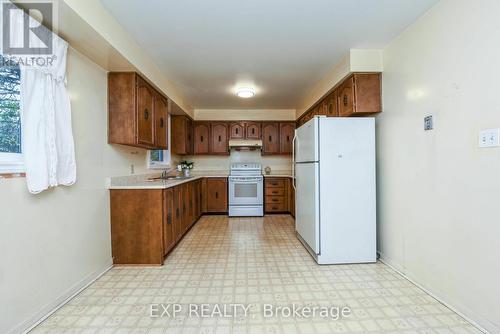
<point>245,190</point>
<point>10,118</point>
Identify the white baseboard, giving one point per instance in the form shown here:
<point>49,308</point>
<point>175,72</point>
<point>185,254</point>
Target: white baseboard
<point>46,311</point>
<point>466,314</point>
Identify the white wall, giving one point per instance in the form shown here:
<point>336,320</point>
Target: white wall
<point>52,243</point>
<point>439,217</point>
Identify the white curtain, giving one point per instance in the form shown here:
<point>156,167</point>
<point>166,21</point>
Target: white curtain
<point>47,136</point>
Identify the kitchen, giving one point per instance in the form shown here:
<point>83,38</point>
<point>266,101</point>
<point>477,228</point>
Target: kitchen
<point>251,167</point>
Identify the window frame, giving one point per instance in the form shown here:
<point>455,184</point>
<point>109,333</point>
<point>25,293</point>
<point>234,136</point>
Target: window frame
<point>11,163</point>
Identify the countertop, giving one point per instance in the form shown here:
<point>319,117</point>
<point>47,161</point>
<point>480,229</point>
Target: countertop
<point>142,182</point>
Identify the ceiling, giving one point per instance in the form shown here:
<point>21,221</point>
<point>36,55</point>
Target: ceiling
<point>281,47</point>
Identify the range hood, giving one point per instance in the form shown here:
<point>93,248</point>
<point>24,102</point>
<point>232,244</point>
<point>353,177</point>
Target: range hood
<point>251,144</point>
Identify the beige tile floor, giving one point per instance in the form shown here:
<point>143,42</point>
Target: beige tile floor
<point>252,261</point>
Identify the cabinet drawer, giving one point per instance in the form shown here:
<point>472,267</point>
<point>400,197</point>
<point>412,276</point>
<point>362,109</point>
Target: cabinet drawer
<point>275,191</point>
<point>275,183</point>
<point>275,200</point>
<point>279,207</point>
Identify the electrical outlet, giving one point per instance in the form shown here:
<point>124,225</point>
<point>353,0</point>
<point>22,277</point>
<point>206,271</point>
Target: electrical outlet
<point>489,138</point>
<point>428,123</point>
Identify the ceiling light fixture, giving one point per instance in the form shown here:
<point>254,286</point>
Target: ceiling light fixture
<point>245,92</point>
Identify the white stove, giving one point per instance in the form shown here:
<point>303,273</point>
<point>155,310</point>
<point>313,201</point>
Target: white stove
<point>246,190</point>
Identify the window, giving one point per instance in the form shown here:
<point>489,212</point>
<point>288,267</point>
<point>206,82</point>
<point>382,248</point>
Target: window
<point>11,159</point>
<point>160,159</point>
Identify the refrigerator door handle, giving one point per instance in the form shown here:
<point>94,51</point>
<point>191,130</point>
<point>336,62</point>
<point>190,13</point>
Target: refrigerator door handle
<point>293,160</point>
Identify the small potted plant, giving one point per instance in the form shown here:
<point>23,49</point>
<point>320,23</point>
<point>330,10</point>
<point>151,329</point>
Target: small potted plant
<point>186,166</point>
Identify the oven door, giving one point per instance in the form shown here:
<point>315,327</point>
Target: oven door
<point>246,190</point>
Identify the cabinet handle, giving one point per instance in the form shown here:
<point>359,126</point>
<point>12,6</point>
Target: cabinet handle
<point>161,122</point>
<point>270,138</point>
<point>176,212</point>
<point>345,100</point>
<point>287,138</point>
<point>253,131</point>
<point>220,138</point>
<point>236,130</point>
<point>169,218</point>
<point>216,195</point>
<point>146,114</point>
<point>330,108</point>
<point>275,192</point>
<point>201,139</point>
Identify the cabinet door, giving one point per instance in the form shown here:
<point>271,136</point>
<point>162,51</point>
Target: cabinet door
<point>252,130</point>
<point>177,214</point>
<point>180,127</point>
<point>189,137</point>
<point>192,203</point>
<point>199,192</point>
<point>201,137</point>
<point>237,130</point>
<point>346,98</point>
<point>270,138</point>
<point>320,109</point>
<point>291,197</point>
<point>331,105</point>
<point>169,238</point>
<point>219,134</point>
<point>286,136</point>
<point>185,207</point>
<point>161,120</point>
<point>216,194</point>
<point>145,116</point>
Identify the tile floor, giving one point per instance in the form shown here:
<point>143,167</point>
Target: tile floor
<point>252,261</point>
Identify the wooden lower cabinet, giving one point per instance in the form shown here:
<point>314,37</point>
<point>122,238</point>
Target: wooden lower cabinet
<point>146,224</point>
<point>177,203</point>
<point>215,190</point>
<point>137,226</point>
<point>279,195</point>
<point>169,238</point>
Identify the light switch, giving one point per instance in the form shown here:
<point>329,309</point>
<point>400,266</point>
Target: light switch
<point>489,138</point>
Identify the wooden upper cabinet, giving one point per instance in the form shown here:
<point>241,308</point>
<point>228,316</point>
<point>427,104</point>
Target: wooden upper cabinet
<point>237,130</point>
<point>133,118</point>
<point>287,132</point>
<point>145,113</point>
<point>161,120</point>
<point>270,138</point>
<point>331,104</point>
<point>219,143</point>
<point>360,94</point>
<point>182,135</point>
<point>201,132</point>
<point>252,130</point>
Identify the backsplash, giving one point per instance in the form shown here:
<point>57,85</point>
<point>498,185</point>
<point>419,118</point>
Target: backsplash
<point>211,162</point>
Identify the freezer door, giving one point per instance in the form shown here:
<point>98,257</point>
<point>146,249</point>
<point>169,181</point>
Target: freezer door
<point>306,142</point>
<point>307,204</point>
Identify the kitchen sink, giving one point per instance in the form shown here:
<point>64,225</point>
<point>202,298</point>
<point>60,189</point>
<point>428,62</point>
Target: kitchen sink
<point>169,178</point>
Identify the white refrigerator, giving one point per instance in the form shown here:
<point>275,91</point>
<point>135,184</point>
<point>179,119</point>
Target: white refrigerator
<point>334,179</point>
